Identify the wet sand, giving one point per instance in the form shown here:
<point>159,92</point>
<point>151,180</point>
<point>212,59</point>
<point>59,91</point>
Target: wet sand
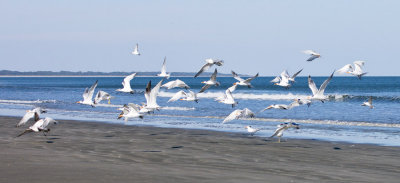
<point>97,152</point>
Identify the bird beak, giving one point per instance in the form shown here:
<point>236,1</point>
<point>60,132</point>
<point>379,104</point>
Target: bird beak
<point>120,116</point>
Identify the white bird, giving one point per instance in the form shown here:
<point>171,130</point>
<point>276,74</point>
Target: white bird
<point>231,89</point>
<point>228,99</point>
<point>318,94</point>
<point>136,50</point>
<point>243,82</point>
<point>151,97</point>
<point>291,78</point>
<point>284,80</point>
<point>304,102</point>
<point>251,130</point>
<point>191,96</point>
<point>88,95</point>
<point>277,106</point>
<point>313,54</point>
<point>356,71</point>
<point>30,114</point>
<point>282,127</point>
<point>176,83</point>
<point>130,111</point>
<point>368,103</point>
<point>239,113</point>
<point>211,82</point>
<point>126,83</point>
<point>102,95</point>
<point>39,125</point>
<point>164,70</point>
<point>209,62</point>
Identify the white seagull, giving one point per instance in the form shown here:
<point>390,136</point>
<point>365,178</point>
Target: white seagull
<point>228,99</point>
<point>368,103</point>
<point>251,130</point>
<point>136,50</point>
<point>313,54</point>
<point>239,113</point>
<point>277,106</point>
<point>356,70</point>
<point>283,80</point>
<point>282,127</point>
<point>243,82</point>
<point>209,62</point>
<point>130,111</point>
<point>102,95</point>
<point>175,84</point>
<point>127,84</point>
<point>30,114</point>
<point>191,96</point>
<point>88,95</point>
<point>164,70</point>
<point>39,125</point>
<point>318,94</point>
<point>151,97</point>
<point>211,82</point>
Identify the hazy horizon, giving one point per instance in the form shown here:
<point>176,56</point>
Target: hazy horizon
<point>250,36</point>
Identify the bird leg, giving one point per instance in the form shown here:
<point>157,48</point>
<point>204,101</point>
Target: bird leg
<point>109,101</point>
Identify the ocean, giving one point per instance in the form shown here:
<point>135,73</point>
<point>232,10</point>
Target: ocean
<point>342,118</point>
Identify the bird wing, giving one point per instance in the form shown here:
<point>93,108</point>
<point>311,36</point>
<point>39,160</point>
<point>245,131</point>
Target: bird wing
<point>277,79</point>
<point>357,66</point>
<point>164,66</point>
<point>345,69</point>
<point>127,80</point>
<point>297,73</point>
<point>205,67</point>
<point>26,118</point>
<point>248,80</point>
<point>147,92</point>
<point>370,100</point>
<point>137,48</point>
<point>248,113</point>
<point>229,95</point>
<point>204,88</point>
<point>312,86</point>
<point>154,93</point>
<point>169,85</point>
<point>278,130</point>
<point>285,74</point>
<point>177,96</point>
<point>218,62</point>
<point>214,76</point>
<point>237,77</point>
<point>88,94</point>
<point>312,57</point>
<point>101,95</point>
<point>326,82</point>
<point>234,115</point>
<point>310,52</point>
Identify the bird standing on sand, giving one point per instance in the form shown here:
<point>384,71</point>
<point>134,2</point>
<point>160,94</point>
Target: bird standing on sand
<point>126,83</point>
<point>30,114</point>
<point>313,54</point>
<point>368,103</point>
<point>209,62</point>
<point>251,130</point>
<point>282,127</point>
<point>88,95</point>
<point>243,82</point>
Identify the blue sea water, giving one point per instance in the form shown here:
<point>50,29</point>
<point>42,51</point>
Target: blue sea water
<point>342,118</point>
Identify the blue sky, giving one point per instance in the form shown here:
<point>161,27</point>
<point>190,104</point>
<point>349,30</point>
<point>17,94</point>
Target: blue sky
<point>251,36</point>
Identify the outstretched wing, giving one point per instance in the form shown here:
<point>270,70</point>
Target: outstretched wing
<point>297,73</point>
<point>128,79</point>
<point>278,130</point>
<point>248,80</point>
<point>345,69</point>
<point>177,96</point>
<point>312,58</point>
<point>164,66</point>
<point>237,76</point>
<point>326,82</point>
<point>214,75</point>
<point>248,113</point>
<point>234,115</point>
<point>277,79</point>
<point>26,118</point>
<point>312,86</point>
<point>88,94</point>
<point>205,67</point>
<point>204,88</point>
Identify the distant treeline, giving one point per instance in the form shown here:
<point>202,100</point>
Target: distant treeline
<point>91,73</point>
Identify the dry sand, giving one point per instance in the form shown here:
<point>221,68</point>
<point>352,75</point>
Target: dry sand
<point>97,152</point>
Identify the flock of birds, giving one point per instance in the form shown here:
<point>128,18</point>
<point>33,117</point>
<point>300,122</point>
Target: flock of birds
<point>132,110</point>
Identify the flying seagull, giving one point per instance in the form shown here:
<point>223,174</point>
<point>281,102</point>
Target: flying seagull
<point>174,84</point>
<point>209,62</point>
<point>126,83</point>
<point>313,54</point>
<point>318,94</point>
<point>136,50</point>
<point>368,103</point>
<point>356,70</point>
<point>39,126</point>
<point>102,95</point>
<point>30,114</point>
<point>164,70</point>
<point>88,95</point>
<point>211,82</point>
<point>239,113</point>
<point>243,82</point>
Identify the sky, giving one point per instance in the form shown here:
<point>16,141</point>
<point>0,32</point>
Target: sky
<point>250,36</point>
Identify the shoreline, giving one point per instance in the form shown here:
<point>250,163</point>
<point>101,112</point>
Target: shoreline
<point>77,151</point>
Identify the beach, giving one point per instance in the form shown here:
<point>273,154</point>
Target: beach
<point>77,151</point>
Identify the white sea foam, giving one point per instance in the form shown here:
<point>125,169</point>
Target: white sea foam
<point>250,96</point>
<point>27,101</point>
<point>178,108</point>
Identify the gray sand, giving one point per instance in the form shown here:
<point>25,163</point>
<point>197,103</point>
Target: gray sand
<point>97,152</point>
